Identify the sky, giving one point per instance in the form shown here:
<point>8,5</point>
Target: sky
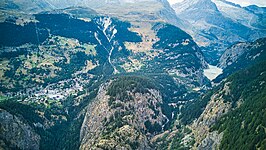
<point>240,2</point>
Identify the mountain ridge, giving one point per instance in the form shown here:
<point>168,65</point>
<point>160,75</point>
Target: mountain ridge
<point>125,74</point>
<point>219,21</point>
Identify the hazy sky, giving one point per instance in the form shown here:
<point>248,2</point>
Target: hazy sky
<point>241,2</point>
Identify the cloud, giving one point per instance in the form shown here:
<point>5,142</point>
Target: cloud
<point>240,2</point>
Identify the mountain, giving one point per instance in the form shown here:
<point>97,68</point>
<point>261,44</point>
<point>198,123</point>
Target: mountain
<point>74,60</point>
<point>240,56</point>
<point>236,58</point>
<point>217,24</point>
<point>128,10</point>
<point>234,113</point>
<point>122,74</point>
<point>117,127</point>
<point>255,9</point>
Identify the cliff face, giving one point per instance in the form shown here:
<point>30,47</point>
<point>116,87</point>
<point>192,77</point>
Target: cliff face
<point>240,56</point>
<point>232,54</point>
<point>215,109</point>
<point>122,122</point>
<point>15,133</point>
<point>234,113</point>
<point>244,51</point>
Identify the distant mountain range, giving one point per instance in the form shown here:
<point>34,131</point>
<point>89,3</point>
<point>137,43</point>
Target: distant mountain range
<point>213,24</point>
<point>217,24</point>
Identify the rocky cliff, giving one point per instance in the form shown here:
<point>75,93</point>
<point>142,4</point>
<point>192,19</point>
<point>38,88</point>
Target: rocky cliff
<point>124,120</point>
<point>215,109</point>
<point>16,133</point>
<point>228,116</point>
<point>240,56</point>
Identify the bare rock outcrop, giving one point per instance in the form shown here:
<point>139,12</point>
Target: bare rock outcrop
<point>17,134</point>
<point>215,109</point>
<point>122,124</point>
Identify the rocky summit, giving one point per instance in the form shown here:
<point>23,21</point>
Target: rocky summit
<point>132,75</point>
